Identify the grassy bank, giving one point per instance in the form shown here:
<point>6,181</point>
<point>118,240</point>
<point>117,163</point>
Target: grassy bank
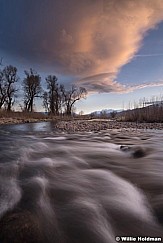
<point>77,124</point>
<point>22,117</point>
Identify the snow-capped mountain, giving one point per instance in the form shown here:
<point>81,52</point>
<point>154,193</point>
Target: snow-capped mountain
<point>105,111</point>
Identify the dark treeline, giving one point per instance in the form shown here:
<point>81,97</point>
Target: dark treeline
<point>55,99</point>
<point>8,78</point>
<point>151,113</point>
<point>144,111</point>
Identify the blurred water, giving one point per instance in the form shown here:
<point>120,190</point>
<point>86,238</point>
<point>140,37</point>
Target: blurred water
<point>85,187</point>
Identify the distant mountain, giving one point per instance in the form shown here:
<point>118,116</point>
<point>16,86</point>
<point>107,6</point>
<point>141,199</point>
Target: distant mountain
<point>104,111</point>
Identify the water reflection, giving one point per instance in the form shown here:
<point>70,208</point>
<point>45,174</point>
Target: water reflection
<point>29,127</point>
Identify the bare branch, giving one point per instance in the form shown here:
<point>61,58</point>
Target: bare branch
<point>32,89</point>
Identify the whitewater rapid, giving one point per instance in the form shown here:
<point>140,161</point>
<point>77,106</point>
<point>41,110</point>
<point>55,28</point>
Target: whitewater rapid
<point>79,188</point>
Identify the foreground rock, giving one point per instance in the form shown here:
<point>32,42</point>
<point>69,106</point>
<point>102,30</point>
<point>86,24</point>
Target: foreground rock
<point>94,125</point>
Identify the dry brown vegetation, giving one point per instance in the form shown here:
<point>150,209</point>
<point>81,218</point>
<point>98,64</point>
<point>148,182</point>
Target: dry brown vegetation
<point>21,117</point>
<point>153,113</point>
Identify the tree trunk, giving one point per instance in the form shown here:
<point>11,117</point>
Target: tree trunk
<point>9,105</point>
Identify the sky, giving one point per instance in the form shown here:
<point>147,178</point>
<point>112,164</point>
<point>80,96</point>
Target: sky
<point>113,48</point>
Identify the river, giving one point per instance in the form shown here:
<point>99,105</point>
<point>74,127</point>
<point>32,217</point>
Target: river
<point>85,187</point>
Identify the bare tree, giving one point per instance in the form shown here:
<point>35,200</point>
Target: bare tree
<point>71,96</point>
<point>32,89</point>
<point>81,113</point>
<point>52,99</point>
<point>1,60</point>
<point>113,114</point>
<point>46,101</point>
<point>2,90</point>
<point>8,89</point>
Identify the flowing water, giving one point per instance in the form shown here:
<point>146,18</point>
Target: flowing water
<point>79,188</point>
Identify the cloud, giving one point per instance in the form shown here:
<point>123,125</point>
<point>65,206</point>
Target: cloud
<point>66,38</point>
<point>106,83</point>
<point>149,55</point>
<point>145,85</point>
<point>90,39</point>
<point>102,83</point>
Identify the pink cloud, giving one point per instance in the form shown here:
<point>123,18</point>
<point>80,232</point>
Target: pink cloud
<point>105,37</point>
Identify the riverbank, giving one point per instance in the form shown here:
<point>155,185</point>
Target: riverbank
<point>97,125</point>
<point>80,125</point>
<point>22,120</point>
<point>22,117</point>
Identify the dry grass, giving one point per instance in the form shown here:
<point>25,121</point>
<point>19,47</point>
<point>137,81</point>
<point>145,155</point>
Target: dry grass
<point>21,117</point>
<point>146,114</point>
<point>12,114</point>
